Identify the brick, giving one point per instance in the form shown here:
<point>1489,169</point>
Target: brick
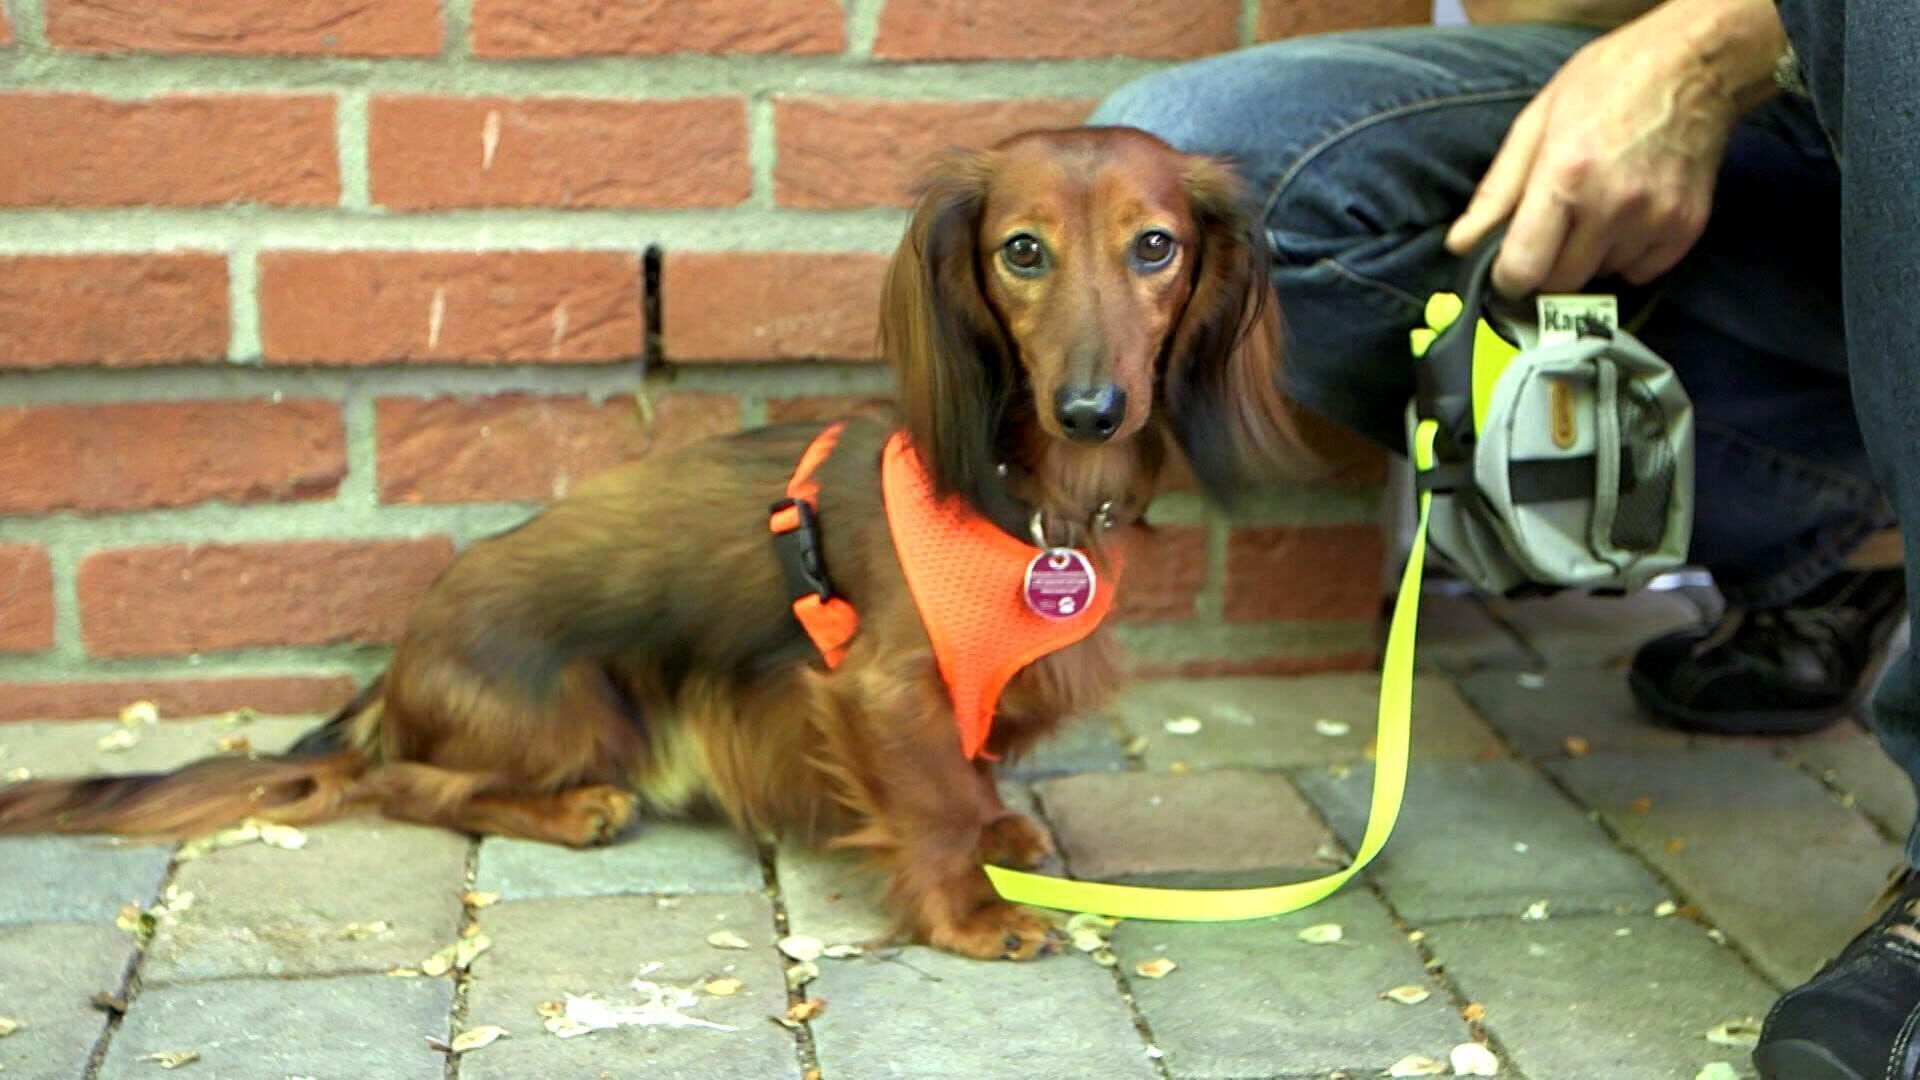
<point>1164,575</point>
<point>1768,854</point>
<point>432,153</point>
<point>292,695</point>
<point>48,976</point>
<point>411,876</point>
<point>1252,999</point>
<point>474,307</point>
<point>851,152</point>
<point>545,949</point>
<point>176,150</point>
<point>26,597</point>
<point>660,858</point>
<point>557,28</point>
<point>824,408</point>
<point>1017,30</point>
<point>6,28</point>
<point>770,305</point>
<point>1269,723</point>
<point>1454,855</point>
<point>1230,826</point>
<point>77,878</point>
<point>1571,997</point>
<point>364,1025</point>
<point>189,598</point>
<point>112,310</point>
<point>1293,18</point>
<point>247,27</point>
<point>1312,572</point>
<point>524,446</point>
<point>139,456</point>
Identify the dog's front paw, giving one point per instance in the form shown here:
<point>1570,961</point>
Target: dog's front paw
<point>999,931</point>
<point>1014,840</point>
<point>598,814</point>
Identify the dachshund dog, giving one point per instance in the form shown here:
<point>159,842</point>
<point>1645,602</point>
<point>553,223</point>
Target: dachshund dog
<point>1063,309</point>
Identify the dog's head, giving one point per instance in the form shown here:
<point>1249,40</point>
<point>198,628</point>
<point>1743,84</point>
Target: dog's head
<point>1089,287</point>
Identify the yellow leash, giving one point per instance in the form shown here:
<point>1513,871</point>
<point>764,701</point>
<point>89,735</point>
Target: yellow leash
<point>1389,785</point>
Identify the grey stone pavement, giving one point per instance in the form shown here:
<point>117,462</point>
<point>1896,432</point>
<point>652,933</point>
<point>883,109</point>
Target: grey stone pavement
<point>1588,896</point>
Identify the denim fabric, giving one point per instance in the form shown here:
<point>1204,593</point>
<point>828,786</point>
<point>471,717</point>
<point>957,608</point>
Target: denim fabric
<point>1362,148</point>
<point>1865,55</point>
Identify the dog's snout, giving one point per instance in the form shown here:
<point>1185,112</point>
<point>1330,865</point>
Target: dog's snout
<point>1090,413</point>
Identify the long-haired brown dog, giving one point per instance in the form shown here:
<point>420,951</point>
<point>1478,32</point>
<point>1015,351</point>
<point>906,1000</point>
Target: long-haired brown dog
<point>1062,307</point>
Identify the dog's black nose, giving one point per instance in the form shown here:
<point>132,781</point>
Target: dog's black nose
<point>1090,413</point>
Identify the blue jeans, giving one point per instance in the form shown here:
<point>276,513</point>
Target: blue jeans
<point>1362,148</point>
<point>1861,60</point>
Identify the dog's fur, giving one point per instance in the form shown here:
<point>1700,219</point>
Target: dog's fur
<point>634,643</point>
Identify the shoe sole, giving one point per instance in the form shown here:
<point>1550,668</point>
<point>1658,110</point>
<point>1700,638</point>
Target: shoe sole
<point>1797,1059</point>
<point>1793,722</point>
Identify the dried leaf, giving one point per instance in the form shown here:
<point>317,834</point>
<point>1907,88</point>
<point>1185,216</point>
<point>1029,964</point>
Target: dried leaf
<point>238,717</point>
<point>1417,1065</point>
<point>110,1003</point>
<point>1472,1059</point>
<point>1665,909</point>
<point>285,837</point>
<point>1536,911</point>
<point>727,939</point>
<point>549,1010</point>
<point>1641,805</point>
<point>1087,940</point>
<point>405,973</point>
<point>1531,680</point>
<point>1178,768</point>
<point>1322,934</point>
<point>1717,1070</point>
<point>469,949</point>
<point>1676,845</point>
<point>440,962</point>
<point>140,714</point>
<point>474,898</point>
<point>1105,958</point>
<point>171,1059</point>
<point>843,952</point>
<point>8,1025</point>
<point>1744,1032</point>
<point>801,974</point>
<point>174,901</point>
<point>1183,725</point>
<point>117,740</point>
<point>802,1011</point>
<point>1474,1012</point>
<point>135,920</point>
<point>566,1028</point>
<point>476,1038</point>
<point>1410,994</point>
<point>801,947</point>
<point>14,776</point>
<point>1136,746</point>
<point>1332,729</point>
<point>471,930</point>
<point>1157,968</point>
<point>1086,920</point>
<point>1576,745</point>
<point>361,931</point>
<point>722,987</point>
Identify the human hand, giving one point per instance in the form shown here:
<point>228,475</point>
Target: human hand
<point>1611,168</point>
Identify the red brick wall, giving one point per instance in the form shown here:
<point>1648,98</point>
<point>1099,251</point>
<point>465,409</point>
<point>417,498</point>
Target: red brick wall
<point>297,297</point>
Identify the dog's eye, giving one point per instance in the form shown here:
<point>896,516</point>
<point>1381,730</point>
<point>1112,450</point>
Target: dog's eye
<point>1024,254</point>
<point>1152,249</point>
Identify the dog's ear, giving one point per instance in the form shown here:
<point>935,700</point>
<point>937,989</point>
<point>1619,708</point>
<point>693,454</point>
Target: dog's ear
<point>1221,385</point>
<point>954,368</point>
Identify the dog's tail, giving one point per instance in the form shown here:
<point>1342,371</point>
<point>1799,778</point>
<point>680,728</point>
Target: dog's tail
<point>312,782</point>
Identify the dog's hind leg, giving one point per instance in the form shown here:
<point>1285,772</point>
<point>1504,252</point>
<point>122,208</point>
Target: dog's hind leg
<point>481,803</point>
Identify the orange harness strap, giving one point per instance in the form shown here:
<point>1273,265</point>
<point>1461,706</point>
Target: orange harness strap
<point>826,616</point>
<point>968,578</point>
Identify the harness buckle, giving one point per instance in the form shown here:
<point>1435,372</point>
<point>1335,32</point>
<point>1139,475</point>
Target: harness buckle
<point>798,549</point>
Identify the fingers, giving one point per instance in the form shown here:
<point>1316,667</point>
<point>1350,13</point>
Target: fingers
<point>1586,247</point>
<point>1535,238</point>
<point>1499,191</point>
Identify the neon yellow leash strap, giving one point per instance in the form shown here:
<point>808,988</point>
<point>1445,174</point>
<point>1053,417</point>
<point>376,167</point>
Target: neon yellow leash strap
<point>1389,785</point>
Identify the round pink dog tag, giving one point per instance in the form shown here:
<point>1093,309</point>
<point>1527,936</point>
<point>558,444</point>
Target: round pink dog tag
<point>1060,583</point>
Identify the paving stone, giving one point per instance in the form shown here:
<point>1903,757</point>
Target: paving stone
<point>544,950</point>
<point>1222,823</point>
<point>1455,852</point>
<point>349,872</point>
<point>660,857</point>
<point>1255,723</point>
<point>1763,848</point>
<point>48,976</point>
<point>1251,999</point>
<point>1856,764</point>
<point>73,749</point>
<point>830,895</point>
<point>1539,711</point>
<point>1090,744</point>
<point>1576,629</point>
<point>1571,998</point>
<point>353,1028</point>
<point>1457,635</point>
<point>931,1015</point>
<point>77,878</point>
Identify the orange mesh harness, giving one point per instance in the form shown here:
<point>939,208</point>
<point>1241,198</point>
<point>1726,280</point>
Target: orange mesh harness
<point>966,576</point>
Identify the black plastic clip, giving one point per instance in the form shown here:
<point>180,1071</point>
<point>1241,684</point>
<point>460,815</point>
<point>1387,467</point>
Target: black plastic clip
<point>798,550</point>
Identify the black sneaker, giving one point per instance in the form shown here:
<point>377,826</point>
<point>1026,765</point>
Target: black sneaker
<point>1784,671</point>
<point>1856,1019</point>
